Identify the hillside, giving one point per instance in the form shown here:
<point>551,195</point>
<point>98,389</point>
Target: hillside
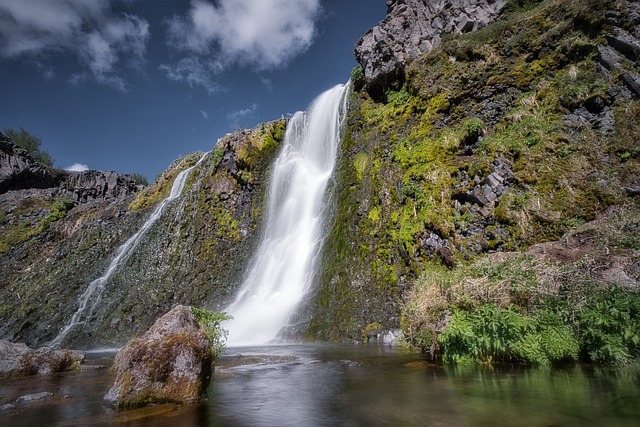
<point>492,142</point>
<point>194,254</point>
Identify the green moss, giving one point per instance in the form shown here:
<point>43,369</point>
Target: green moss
<point>227,226</point>
<point>162,187</point>
<point>361,162</point>
<point>32,225</point>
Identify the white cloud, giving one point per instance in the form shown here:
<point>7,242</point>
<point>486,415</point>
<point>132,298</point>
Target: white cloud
<point>205,115</point>
<point>77,167</point>
<point>102,40</point>
<point>237,116</point>
<point>263,35</point>
<point>194,72</point>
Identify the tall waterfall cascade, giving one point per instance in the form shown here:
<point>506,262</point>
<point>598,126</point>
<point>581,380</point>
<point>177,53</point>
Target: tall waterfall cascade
<point>281,271</point>
<point>91,297</point>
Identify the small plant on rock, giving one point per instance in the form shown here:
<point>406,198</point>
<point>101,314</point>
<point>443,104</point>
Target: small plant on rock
<point>211,322</point>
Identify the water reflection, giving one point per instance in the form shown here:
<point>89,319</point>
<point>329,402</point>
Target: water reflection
<point>325,385</point>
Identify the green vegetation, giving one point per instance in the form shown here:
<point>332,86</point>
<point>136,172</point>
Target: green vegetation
<point>139,179</point>
<point>530,309</point>
<point>26,222</point>
<point>501,101</point>
<point>211,322</point>
<point>162,187</point>
<point>31,143</point>
<point>491,334</point>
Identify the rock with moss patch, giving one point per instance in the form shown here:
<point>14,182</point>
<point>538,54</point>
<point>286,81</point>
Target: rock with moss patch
<point>18,359</point>
<point>171,362</point>
<point>413,27</point>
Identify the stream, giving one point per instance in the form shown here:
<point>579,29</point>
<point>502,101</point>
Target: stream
<point>344,385</point>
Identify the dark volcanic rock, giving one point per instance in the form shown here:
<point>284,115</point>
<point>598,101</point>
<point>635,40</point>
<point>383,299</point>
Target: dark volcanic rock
<point>19,171</point>
<point>414,27</point>
<point>171,362</point>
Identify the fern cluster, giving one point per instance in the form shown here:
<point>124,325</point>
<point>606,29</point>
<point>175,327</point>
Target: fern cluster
<point>604,329</point>
<point>211,321</point>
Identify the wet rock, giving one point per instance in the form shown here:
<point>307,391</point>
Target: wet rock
<point>18,359</point>
<point>46,360</point>
<point>34,396</point>
<point>171,362</point>
<point>414,27</point>
<point>392,337</point>
<point>7,407</point>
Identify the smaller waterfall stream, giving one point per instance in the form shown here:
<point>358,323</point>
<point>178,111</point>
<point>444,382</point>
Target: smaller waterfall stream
<point>281,271</point>
<point>92,295</point>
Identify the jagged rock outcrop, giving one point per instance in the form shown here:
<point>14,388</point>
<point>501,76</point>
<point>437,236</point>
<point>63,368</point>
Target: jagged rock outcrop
<point>414,27</point>
<point>19,171</point>
<point>18,359</point>
<point>171,362</point>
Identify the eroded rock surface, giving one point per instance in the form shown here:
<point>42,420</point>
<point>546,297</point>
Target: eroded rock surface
<point>19,171</point>
<point>414,27</point>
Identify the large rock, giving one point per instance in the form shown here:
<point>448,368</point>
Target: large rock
<point>414,27</point>
<point>171,362</point>
<point>18,359</point>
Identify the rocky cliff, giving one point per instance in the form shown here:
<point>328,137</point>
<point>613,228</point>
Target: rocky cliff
<point>492,141</point>
<point>195,253</point>
<point>412,28</point>
<point>19,171</point>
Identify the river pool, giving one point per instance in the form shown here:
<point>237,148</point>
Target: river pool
<point>345,385</point>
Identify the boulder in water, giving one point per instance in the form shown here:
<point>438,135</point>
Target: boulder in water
<point>18,359</point>
<point>171,362</point>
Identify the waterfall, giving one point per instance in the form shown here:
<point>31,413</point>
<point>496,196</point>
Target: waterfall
<point>281,270</point>
<point>93,294</point>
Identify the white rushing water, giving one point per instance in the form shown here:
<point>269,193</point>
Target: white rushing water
<point>92,295</point>
<point>280,273</point>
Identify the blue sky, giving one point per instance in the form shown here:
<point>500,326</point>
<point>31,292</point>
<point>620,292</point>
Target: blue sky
<point>131,85</point>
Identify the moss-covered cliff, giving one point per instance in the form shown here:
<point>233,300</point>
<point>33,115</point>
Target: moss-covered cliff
<point>194,254</point>
<point>495,141</point>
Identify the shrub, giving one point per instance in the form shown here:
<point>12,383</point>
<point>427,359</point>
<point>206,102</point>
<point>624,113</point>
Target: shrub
<point>139,179</point>
<point>610,326</point>
<point>211,321</point>
<point>30,142</point>
<point>490,334</point>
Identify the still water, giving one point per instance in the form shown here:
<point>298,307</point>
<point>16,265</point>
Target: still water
<point>329,385</point>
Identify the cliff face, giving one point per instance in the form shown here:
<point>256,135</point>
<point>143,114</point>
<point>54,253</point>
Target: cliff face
<point>18,171</point>
<point>412,28</point>
<point>194,254</point>
<point>493,141</point>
